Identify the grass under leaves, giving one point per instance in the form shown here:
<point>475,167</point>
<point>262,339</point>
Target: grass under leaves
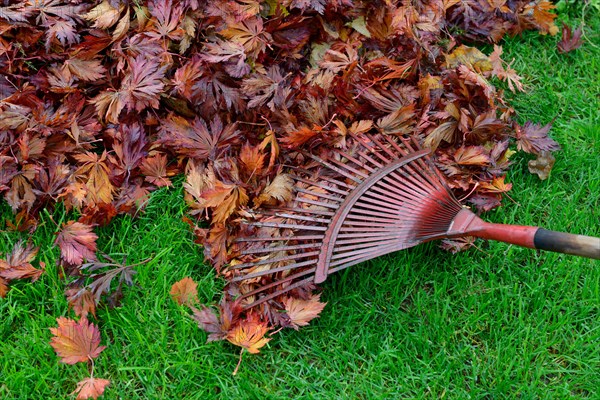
<point>497,322</point>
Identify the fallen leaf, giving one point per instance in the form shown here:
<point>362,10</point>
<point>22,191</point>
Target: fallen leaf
<point>82,301</point>
<point>76,341</point>
<point>571,40</point>
<point>469,56</point>
<point>301,312</point>
<point>91,388</point>
<point>3,287</point>
<point>279,190</point>
<point>77,242</point>
<point>17,264</point>
<point>542,165</point>
<point>497,185</point>
<point>533,138</point>
<point>471,155</point>
<point>185,292</point>
<point>249,333</point>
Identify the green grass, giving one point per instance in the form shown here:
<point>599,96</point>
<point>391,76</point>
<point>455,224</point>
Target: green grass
<point>499,322</point>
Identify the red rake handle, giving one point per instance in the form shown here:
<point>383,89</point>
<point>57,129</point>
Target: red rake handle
<point>466,223</point>
<point>542,239</point>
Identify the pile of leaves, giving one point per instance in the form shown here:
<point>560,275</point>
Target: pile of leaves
<point>102,102</point>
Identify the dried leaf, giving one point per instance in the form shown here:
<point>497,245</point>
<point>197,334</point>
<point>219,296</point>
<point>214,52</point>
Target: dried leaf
<point>301,312</point>
<point>542,165</point>
<point>185,292</point>
<point>279,190</point>
<point>571,40</point>
<point>3,287</point>
<point>249,334</point>
<point>76,341</point>
<point>90,388</point>
<point>533,138</point>
<point>17,264</point>
<point>77,242</point>
<point>497,185</point>
<point>82,301</point>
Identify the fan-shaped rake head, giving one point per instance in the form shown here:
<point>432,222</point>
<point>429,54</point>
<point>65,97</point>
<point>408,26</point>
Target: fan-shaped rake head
<point>350,207</point>
<point>381,195</point>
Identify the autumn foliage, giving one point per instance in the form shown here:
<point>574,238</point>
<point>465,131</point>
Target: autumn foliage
<point>102,102</point>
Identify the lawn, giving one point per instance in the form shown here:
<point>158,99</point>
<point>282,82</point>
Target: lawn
<point>493,322</point>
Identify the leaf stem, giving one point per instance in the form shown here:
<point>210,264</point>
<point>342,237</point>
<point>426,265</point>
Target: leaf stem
<point>237,367</point>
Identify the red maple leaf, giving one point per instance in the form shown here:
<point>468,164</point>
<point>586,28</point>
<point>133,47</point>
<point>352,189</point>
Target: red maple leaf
<point>77,242</point>
<point>571,40</point>
<point>76,341</point>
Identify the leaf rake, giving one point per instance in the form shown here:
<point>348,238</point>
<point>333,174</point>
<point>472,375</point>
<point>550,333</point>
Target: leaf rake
<point>381,195</point>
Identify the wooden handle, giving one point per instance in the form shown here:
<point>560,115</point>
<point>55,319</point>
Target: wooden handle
<point>579,245</point>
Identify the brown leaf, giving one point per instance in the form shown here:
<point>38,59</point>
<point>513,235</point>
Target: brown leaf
<point>17,264</point>
<point>185,292</point>
<point>90,388</point>
<point>77,242</point>
<point>86,70</point>
<point>542,16</point>
<point>215,247</point>
<point>155,169</point>
<point>76,341</point>
<point>471,155</point>
<point>270,140</point>
<point>225,200</point>
<point>252,160</point>
<point>469,56</point>
<point>542,165</point>
<point>209,322</point>
<point>302,311</point>
<point>3,287</point>
<point>249,333</point>
<point>279,190</point>
<point>505,73</point>
<point>82,301</point>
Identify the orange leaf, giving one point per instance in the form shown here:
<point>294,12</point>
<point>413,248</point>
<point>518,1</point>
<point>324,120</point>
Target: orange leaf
<point>302,311</point>
<point>77,242</point>
<point>497,185</point>
<point>249,334</point>
<point>270,140</point>
<point>299,137</point>
<point>225,199</point>
<point>3,287</point>
<point>91,388</point>
<point>76,341</point>
<point>185,292</point>
<point>543,17</point>
<point>252,160</point>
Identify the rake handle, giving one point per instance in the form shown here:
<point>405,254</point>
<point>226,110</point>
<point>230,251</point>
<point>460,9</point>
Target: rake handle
<point>542,239</point>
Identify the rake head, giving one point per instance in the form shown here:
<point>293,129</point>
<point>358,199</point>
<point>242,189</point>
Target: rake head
<point>380,196</point>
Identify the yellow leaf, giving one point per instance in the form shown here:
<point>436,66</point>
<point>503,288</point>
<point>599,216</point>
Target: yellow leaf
<point>469,56</point>
<point>249,334</point>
